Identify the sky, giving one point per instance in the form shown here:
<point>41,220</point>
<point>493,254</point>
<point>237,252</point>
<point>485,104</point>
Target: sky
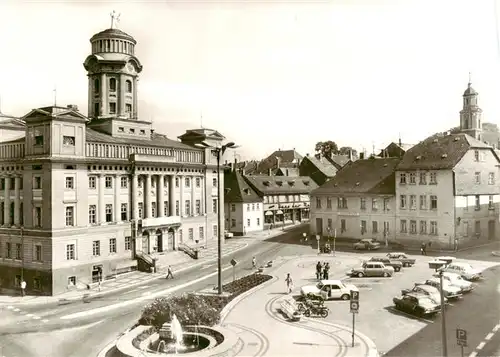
<point>268,75</point>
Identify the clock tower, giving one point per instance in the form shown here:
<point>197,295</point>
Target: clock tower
<point>471,114</point>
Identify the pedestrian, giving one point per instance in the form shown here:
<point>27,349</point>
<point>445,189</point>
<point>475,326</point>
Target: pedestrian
<point>422,248</point>
<point>326,271</point>
<point>23,288</point>
<point>456,244</point>
<point>170,274</point>
<point>289,283</point>
<point>254,263</point>
<point>99,286</point>
<point>318,271</point>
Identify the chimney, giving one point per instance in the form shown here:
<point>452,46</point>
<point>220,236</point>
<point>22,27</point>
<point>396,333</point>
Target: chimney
<point>400,144</point>
<point>287,172</point>
<point>350,155</point>
<point>361,155</point>
<point>235,164</point>
<point>152,133</point>
<point>278,159</point>
<point>317,156</point>
<point>72,107</point>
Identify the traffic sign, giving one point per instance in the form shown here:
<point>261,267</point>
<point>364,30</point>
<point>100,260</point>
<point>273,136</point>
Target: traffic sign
<point>354,307</point>
<point>461,337</point>
<point>233,262</point>
<point>354,295</point>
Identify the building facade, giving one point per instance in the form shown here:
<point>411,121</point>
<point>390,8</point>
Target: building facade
<point>82,199</point>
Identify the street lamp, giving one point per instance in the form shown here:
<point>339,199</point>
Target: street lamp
<point>437,265</point>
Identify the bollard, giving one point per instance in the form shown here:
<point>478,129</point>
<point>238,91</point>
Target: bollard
<point>152,270</point>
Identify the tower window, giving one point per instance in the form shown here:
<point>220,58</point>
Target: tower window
<point>129,86</point>
<point>96,109</point>
<point>112,108</point>
<point>128,108</point>
<point>97,87</point>
<point>112,84</point>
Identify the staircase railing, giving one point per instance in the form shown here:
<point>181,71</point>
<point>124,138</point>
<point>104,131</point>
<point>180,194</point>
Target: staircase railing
<point>188,250</point>
<point>145,262</point>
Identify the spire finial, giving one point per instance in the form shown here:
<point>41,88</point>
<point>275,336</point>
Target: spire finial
<point>115,19</point>
<point>55,96</point>
<point>201,120</point>
<point>470,79</point>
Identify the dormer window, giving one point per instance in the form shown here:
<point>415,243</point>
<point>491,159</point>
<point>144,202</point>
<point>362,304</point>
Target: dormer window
<point>131,131</point>
<point>291,183</point>
<point>39,140</point>
<point>112,85</point>
<point>143,132</point>
<point>246,191</point>
<point>266,183</point>
<point>279,183</point>
<point>306,183</point>
<point>128,86</point>
<point>121,129</point>
<point>68,140</point>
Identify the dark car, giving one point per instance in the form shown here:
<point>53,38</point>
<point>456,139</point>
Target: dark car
<point>417,304</point>
<point>402,257</point>
<point>366,244</point>
<point>396,264</point>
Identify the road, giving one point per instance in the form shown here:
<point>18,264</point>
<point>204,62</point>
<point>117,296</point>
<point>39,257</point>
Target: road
<point>54,334</point>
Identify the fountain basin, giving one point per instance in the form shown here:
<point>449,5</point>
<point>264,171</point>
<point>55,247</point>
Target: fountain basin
<point>191,343</point>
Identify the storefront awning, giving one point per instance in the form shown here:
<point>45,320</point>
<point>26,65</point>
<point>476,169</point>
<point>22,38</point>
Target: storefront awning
<point>269,213</point>
<point>279,212</point>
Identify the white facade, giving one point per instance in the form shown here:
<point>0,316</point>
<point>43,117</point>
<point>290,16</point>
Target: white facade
<point>242,218</point>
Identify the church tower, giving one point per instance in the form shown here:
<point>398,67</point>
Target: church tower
<point>471,114</point>
<point>113,72</point>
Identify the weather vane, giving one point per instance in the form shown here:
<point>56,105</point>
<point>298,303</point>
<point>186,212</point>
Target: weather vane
<point>115,19</point>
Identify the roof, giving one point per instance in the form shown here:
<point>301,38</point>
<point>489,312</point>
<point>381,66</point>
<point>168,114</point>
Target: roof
<point>288,171</point>
<point>338,160</point>
<point>283,156</point>
<point>236,189</point>
<point>113,33</point>
<point>470,91</point>
<point>323,165</point>
<point>439,152</point>
<point>268,185</point>
<point>369,176</point>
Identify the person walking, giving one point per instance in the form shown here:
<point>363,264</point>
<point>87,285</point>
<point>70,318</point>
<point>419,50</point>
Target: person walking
<point>170,274</point>
<point>423,248</point>
<point>254,263</point>
<point>289,283</point>
<point>23,288</point>
<point>318,271</point>
<point>326,271</point>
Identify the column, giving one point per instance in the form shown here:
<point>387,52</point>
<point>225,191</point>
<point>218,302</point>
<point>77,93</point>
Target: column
<point>103,95</point>
<point>147,196</point>
<point>171,195</point>
<point>121,99</point>
<point>181,195</point>
<point>203,199</point>
<point>135,111</point>
<point>133,195</point>
<point>17,201</point>
<point>117,202</point>
<point>102,207</point>
<point>160,188</point>
<point>193,198</point>
<point>6,203</point>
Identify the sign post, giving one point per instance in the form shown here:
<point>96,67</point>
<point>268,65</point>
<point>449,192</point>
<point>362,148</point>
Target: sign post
<point>318,238</point>
<point>462,339</point>
<point>354,304</point>
<point>334,238</point>
<point>233,263</point>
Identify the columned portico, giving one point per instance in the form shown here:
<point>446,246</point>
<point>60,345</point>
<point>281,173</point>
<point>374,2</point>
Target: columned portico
<point>160,189</point>
<point>171,195</point>
<point>147,196</point>
<point>134,199</point>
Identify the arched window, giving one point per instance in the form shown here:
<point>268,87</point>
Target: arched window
<point>112,85</point>
<point>129,86</point>
<point>97,86</point>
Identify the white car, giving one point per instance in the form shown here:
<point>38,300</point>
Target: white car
<point>465,270</point>
<point>449,291</point>
<point>329,290</point>
<point>457,280</point>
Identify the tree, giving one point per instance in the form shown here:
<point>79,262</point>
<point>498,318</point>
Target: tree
<point>346,150</point>
<point>326,148</point>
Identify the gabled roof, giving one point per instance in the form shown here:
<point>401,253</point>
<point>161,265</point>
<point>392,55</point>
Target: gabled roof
<point>323,165</point>
<point>201,134</point>
<point>268,185</point>
<point>439,152</point>
<point>56,113</point>
<point>248,167</point>
<point>285,157</point>
<point>12,123</point>
<point>368,176</point>
<point>288,171</point>
<point>237,190</point>
<point>338,160</point>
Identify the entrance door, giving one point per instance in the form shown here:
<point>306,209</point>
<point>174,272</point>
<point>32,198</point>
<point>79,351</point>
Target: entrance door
<point>96,273</point>
<point>159,241</point>
<point>170,240</point>
<point>145,243</point>
<point>319,226</point>
<point>491,229</point>
<point>299,218</point>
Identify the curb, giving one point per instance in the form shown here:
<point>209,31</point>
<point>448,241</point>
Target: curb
<point>53,299</point>
<point>105,350</point>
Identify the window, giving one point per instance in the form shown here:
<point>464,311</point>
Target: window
<point>38,140</point>
<point>403,227</point>
<point>38,216</point>
<point>38,253</point>
<point>187,182</point>
<point>37,183</point>
<point>72,281</point>
<point>434,202</point>
<point>362,203</point>
<point>153,209</point>
<point>70,183</point>
<point>97,85</point>
<point>124,212</point>
<point>176,182</point>
<point>363,227</point>
<point>330,224</point>
<point>190,234</point>
<point>128,243</point>
<point>19,251</point>
<point>258,222</point>
<point>8,248</point>
<point>198,182</point>
<point>139,182</point>
<point>177,208</point>
<point>477,227</point>
<point>92,182</point>
<point>433,178</point>
<point>214,181</point>
<point>423,178</point>
<point>128,86</point>
<point>112,108</point>
<point>96,109</point>
<point>215,231</point>
<point>70,252</point>
<point>342,225</point>
<point>423,202</point>
<point>198,207</point>
<point>124,181</point>
<point>214,205</point>
<point>342,202</point>
<point>68,140</point>
<point>108,182</point>
<point>121,129</point>
<point>109,212</point>
<point>374,226</point>
<point>96,248</point>
<point>2,184</point>
<point>201,233</point>
<point>140,209</point>
<point>402,201</point>
<point>70,216</point>
<point>92,214</point>
<point>477,178</point>
<point>478,203</point>
<point>233,207</point>
<point>387,204</point>
<point>328,203</point>
<point>233,223</point>
<point>187,207</point>
<point>318,202</point>
<point>491,178</point>
<point>37,284</point>
<point>490,202</point>
<point>476,155</point>
<point>374,204</point>
<point>413,227</point>
<point>413,202</point>
<point>402,179</point>
<point>128,110</point>
<point>434,227</point>
<point>112,245</point>
<point>165,208</point>
<point>112,85</point>
<point>413,178</point>
<point>423,227</point>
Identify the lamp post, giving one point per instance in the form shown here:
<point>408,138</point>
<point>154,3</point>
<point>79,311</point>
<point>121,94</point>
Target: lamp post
<point>334,239</point>
<point>437,265</point>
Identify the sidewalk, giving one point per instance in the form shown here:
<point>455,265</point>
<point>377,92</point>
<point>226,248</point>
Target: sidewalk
<point>266,332</point>
<point>270,233</point>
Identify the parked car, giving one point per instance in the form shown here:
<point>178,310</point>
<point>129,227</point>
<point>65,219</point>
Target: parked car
<point>417,304</point>
<point>329,289</point>
<point>427,290</point>
<point>372,269</point>
<point>396,264</point>
<point>465,270</point>
<point>228,234</point>
<point>402,257</point>
<point>457,280</point>
<point>366,244</point>
<point>449,291</point>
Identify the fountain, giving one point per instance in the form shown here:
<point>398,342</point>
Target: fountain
<point>176,333</point>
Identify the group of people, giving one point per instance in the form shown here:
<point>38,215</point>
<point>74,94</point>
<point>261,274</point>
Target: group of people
<point>322,270</point>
